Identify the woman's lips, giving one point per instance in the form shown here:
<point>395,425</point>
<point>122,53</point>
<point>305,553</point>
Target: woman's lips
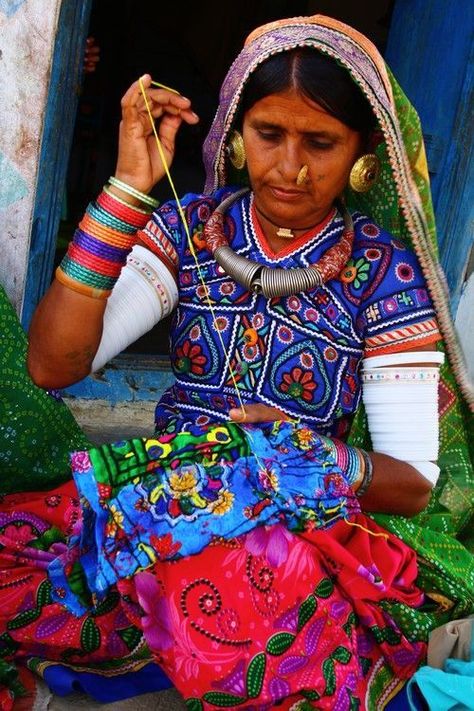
<point>286,194</point>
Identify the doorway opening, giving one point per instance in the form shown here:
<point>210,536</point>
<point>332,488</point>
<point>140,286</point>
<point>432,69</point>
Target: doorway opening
<point>188,46</point>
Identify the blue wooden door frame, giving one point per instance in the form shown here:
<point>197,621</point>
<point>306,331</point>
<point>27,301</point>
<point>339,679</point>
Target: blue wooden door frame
<point>429,51</point>
<point>58,128</point>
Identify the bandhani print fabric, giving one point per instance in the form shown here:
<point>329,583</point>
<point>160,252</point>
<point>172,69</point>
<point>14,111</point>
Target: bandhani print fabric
<point>37,431</point>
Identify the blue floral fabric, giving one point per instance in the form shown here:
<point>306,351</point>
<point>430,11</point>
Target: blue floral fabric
<point>161,499</point>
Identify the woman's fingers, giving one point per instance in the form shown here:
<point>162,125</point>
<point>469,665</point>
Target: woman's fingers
<point>256,413</point>
<point>141,160</point>
<point>134,92</point>
<point>158,103</point>
<point>168,100</point>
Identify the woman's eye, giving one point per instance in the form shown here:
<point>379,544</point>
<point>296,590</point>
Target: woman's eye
<point>320,145</point>
<point>269,136</point>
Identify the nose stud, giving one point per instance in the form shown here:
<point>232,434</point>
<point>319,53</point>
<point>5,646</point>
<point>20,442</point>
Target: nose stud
<point>302,175</point>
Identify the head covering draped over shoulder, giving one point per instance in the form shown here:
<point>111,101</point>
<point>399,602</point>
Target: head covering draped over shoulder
<point>400,202</point>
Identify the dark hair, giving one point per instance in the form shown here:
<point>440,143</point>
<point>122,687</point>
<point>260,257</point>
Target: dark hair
<point>319,78</point>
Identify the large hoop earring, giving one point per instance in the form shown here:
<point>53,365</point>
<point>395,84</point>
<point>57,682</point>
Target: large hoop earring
<point>235,150</point>
<point>364,173</point>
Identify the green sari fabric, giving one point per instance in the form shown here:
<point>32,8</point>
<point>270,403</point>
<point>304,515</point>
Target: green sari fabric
<point>37,431</point>
<point>443,534</point>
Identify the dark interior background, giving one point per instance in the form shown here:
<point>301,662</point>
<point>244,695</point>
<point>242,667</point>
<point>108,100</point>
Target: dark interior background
<point>188,46</point>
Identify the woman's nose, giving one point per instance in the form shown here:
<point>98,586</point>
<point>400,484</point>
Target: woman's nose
<point>290,162</point>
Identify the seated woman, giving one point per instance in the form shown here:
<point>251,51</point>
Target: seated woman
<point>235,543</point>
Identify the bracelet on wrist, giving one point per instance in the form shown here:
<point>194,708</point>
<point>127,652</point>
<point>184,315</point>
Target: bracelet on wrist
<point>107,193</point>
<point>355,463</point>
<point>367,476</point>
<point>100,246</point>
<point>79,287</point>
<point>133,192</point>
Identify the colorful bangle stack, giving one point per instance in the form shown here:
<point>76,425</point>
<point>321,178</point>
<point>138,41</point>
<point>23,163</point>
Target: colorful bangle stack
<point>133,192</point>
<point>363,482</point>
<point>100,246</point>
<point>355,463</point>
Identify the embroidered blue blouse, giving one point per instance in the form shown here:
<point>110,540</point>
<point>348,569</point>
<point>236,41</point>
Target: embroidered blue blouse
<point>299,353</point>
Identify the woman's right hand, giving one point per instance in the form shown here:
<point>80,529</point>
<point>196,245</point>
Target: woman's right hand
<point>139,162</point>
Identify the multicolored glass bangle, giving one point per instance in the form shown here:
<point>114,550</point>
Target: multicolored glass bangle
<point>99,249</point>
<point>133,192</point>
<point>116,199</point>
<point>79,287</point>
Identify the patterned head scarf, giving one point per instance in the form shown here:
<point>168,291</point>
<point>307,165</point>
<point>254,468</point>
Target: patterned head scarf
<point>400,202</point>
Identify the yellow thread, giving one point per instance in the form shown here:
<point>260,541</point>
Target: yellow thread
<point>193,252</point>
<point>371,533</point>
<point>162,86</point>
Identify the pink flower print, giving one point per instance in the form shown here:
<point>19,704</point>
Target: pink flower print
<point>20,534</point>
<point>80,462</point>
<point>156,620</point>
<point>269,541</point>
<point>229,622</point>
<point>335,485</point>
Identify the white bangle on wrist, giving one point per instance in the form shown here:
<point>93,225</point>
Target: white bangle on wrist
<point>144,294</point>
<point>401,404</point>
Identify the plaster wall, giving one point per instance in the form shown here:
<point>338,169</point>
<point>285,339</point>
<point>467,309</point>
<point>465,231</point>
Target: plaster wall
<point>27,34</point>
<point>465,324</point>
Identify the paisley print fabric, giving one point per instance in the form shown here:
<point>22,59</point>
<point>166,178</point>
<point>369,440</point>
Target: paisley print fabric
<point>38,631</point>
<point>233,629</point>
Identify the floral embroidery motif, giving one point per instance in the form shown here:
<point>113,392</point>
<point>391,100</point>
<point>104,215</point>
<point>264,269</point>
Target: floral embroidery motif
<point>370,230</point>
<point>264,341</point>
<point>356,272</point>
<point>404,272</point>
<point>189,358</point>
<point>298,384</point>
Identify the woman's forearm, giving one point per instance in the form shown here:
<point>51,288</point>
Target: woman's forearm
<point>396,488</point>
<point>64,336</point>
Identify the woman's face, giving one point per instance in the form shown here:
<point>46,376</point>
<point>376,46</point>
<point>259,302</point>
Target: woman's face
<point>283,132</point>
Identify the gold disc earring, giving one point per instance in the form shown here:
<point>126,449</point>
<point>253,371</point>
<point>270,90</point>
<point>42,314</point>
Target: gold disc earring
<point>364,173</point>
<point>302,175</point>
<point>235,150</point>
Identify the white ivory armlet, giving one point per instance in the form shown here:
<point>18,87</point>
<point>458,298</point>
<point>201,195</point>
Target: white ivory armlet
<point>402,407</point>
<point>144,294</point>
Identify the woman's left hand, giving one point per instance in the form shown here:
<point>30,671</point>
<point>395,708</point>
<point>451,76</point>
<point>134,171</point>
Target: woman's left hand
<point>257,413</point>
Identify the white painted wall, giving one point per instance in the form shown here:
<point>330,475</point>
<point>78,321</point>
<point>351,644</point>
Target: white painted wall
<point>465,324</point>
<point>27,35</point>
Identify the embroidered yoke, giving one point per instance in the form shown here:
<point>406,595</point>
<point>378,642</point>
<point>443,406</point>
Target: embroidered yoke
<point>299,353</point>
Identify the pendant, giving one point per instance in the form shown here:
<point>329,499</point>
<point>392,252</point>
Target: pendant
<point>285,232</point>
